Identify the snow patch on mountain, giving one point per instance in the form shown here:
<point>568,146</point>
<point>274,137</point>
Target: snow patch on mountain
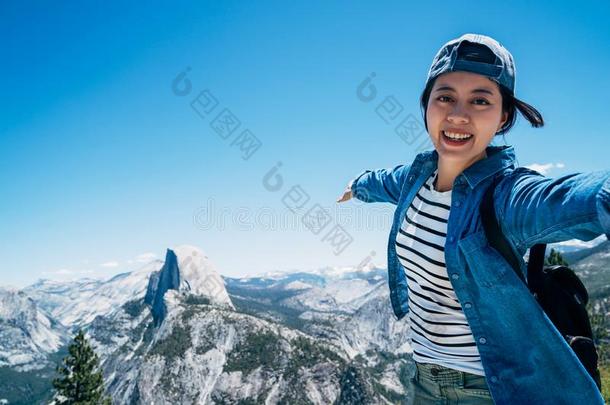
<point>329,272</point>
<point>297,285</point>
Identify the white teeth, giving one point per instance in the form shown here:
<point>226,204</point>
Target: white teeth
<point>457,136</point>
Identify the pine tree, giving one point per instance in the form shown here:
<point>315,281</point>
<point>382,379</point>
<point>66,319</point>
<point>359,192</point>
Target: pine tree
<point>554,258</point>
<point>80,380</point>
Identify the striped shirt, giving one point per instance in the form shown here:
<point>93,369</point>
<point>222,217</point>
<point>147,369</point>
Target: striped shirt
<point>439,331</point>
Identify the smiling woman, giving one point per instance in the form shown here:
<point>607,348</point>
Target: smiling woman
<point>462,116</point>
<point>478,335</point>
<point>464,109</point>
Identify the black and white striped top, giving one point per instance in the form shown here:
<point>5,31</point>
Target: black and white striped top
<point>439,331</point>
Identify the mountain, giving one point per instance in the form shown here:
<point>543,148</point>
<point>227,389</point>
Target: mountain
<point>205,353</point>
<point>77,303</point>
<point>186,269</point>
<point>577,248</point>
<point>27,333</point>
<point>347,306</point>
<point>575,256</point>
<point>593,267</point>
<point>286,338</point>
<point>54,309</point>
<point>176,331</point>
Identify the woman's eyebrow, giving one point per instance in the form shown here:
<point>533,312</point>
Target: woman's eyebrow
<point>481,90</point>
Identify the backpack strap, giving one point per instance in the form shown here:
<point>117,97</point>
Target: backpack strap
<point>498,240</point>
<point>535,267</point>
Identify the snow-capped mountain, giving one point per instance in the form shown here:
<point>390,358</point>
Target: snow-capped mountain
<point>188,341</point>
<point>205,353</point>
<point>77,303</point>
<point>176,331</point>
<point>576,246</point>
<point>175,323</point>
<point>189,271</point>
<point>27,333</point>
<point>368,271</point>
<point>350,312</point>
<point>313,294</point>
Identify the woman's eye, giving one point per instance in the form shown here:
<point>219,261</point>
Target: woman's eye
<point>441,97</point>
<point>483,100</point>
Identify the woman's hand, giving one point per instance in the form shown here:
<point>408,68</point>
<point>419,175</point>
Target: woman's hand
<point>347,194</point>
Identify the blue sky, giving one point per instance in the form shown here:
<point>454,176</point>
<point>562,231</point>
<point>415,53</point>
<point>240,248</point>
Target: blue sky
<point>103,166</point>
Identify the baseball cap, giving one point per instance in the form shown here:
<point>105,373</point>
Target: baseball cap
<point>475,53</point>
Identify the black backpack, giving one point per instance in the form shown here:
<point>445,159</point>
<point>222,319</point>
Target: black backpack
<point>557,289</point>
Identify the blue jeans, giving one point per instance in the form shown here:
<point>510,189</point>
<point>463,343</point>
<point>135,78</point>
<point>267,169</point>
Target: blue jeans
<point>437,385</point>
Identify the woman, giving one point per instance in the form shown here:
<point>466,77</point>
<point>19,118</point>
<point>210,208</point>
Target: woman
<point>478,335</point>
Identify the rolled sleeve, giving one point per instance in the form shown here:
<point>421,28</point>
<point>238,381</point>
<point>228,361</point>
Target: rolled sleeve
<point>380,185</point>
<point>356,192</point>
<point>538,209</point>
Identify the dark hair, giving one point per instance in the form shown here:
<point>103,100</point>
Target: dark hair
<point>510,104</point>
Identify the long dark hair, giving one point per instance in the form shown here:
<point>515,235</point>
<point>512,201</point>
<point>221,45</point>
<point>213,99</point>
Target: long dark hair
<point>510,104</point>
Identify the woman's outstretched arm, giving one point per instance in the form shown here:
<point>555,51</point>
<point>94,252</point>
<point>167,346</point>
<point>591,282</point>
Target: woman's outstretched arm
<point>381,185</point>
<point>538,209</point>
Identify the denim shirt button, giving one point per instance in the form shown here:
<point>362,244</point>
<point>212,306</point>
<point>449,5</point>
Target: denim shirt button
<point>455,276</point>
<point>468,305</point>
<point>411,179</point>
<point>451,239</point>
<point>482,340</point>
<point>494,379</point>
<point>457,203</point>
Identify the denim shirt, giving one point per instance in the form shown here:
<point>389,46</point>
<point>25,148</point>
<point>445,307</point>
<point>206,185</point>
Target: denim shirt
<point>525,358</point>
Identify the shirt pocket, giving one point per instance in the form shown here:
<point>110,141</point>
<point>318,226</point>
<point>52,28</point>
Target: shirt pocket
<point>487,265</point>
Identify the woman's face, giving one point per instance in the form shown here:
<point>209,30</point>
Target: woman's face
<point>464,103</point>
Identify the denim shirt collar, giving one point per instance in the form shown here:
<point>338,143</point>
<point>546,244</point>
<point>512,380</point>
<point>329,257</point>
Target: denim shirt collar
<point>498,158</point>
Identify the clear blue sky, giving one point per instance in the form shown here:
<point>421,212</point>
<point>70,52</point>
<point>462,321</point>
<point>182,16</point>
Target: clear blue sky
<point>101,162</point>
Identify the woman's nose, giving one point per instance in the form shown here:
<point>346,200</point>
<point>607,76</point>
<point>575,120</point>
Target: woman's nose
<point>458,114</point>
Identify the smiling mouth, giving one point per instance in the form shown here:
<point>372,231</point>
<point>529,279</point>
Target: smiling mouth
<point>456,139</point>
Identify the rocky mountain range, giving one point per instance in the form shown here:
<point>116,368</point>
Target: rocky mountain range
<point>176,331</point>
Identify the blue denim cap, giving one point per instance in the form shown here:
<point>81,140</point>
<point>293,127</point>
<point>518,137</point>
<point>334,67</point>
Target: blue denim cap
<point>477,54</point>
